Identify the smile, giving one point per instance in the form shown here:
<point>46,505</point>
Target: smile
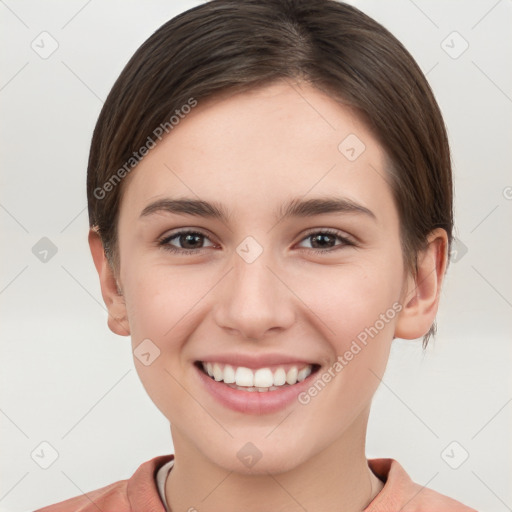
<point>261,379</point>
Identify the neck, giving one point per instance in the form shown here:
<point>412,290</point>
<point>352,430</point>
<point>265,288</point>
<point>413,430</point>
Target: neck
<point>336,478</point>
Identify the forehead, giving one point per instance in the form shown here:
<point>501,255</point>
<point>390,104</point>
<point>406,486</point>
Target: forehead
<point>255,150</point>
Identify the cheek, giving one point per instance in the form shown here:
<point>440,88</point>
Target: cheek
<point>360,306</point>
<point>159,298</point>
<point>160,307</point>
<point>358,311</point>
<point>352,300</point>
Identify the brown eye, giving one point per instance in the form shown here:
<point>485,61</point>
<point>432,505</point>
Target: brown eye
<point>188,242</point>
<point>324,241</point>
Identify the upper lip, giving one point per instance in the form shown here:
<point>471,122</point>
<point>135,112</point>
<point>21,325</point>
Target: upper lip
<point>255,361</point>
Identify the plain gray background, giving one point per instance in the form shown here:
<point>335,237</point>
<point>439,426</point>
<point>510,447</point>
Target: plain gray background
<point>66,380</point>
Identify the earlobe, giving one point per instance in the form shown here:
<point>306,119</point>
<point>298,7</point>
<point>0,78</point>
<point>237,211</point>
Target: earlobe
<point>112,296</point>
<point>422,292</point>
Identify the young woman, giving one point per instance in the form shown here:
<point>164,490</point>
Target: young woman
<point>270,202</point>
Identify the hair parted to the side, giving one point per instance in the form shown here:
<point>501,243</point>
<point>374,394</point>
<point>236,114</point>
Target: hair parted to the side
<point>237,45</point>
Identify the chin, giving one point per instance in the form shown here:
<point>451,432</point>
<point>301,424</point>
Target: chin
<point>257,459</point>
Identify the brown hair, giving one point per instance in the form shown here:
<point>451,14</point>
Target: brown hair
<point>236,45</point>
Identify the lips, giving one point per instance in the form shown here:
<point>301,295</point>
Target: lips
<point>259,393</point>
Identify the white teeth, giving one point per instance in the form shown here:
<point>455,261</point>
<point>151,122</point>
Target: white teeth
<point>229,374</point>
<point>305,372</point>
<point>279,377</point>
<point>271,388</point>
<point>217,372</point>
<point>263,378</point>
<point>244,377</point>
<point>291,376</point>
<point>260,380</point>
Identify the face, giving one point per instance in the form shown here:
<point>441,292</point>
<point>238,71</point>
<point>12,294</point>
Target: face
<point>278,295</point>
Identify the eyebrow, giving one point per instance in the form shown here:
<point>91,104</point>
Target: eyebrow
<point>297,207</point>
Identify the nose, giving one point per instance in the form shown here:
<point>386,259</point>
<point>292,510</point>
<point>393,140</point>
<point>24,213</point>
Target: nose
<point>255,299</point>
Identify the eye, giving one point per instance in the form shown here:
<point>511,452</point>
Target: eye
<point>325,239</point>
<point>191,240</point>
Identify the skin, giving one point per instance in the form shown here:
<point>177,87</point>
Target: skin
<point>252,152</point>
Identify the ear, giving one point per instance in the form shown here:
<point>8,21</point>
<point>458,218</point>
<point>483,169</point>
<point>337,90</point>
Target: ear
<point>421,295</point>
<point>112,296</point>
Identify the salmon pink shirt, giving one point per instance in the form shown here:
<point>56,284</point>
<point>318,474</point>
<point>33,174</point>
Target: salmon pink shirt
<point>144,492</point>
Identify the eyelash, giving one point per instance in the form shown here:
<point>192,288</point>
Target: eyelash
<point>164,242</point>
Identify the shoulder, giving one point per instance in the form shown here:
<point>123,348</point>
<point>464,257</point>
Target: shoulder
<point>400,492</point>
<point>122,496</point>
<point>110,497</point>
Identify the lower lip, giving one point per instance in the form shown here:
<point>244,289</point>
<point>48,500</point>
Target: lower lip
<point>254,402</point>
